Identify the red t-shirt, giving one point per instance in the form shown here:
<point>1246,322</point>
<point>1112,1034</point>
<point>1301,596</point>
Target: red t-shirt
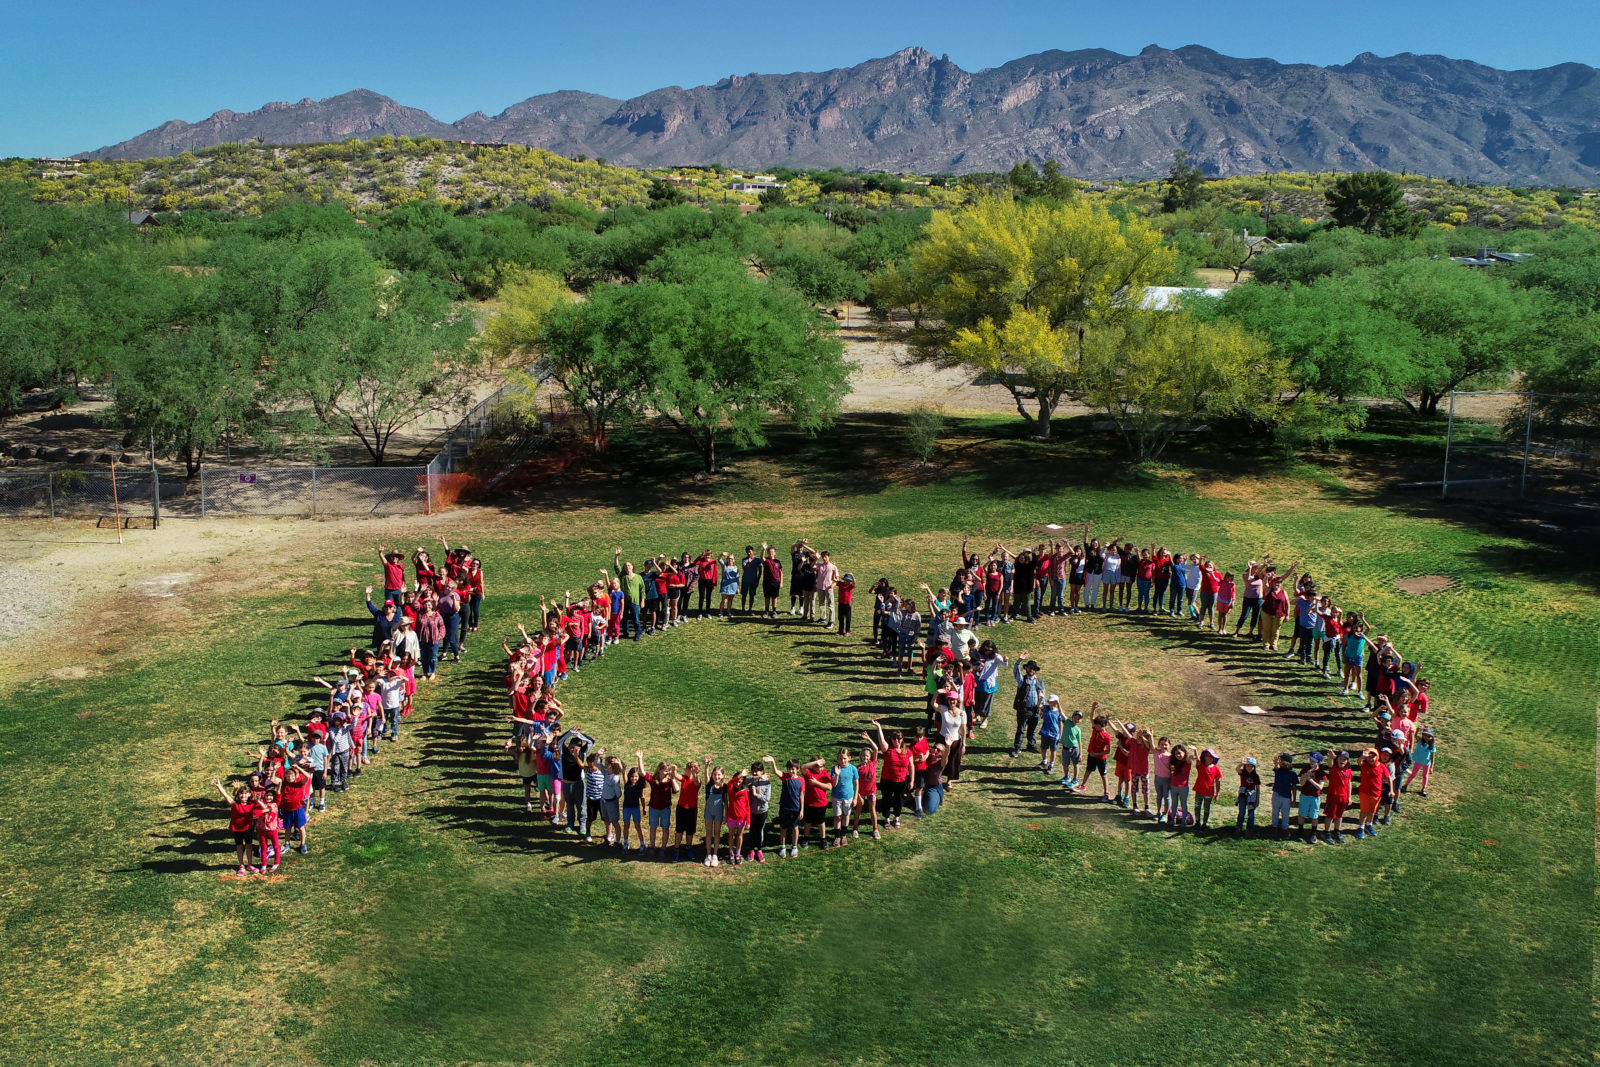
<point>919,753</point>
<point>818,784</point>
<point>394,576</point>
<point>1208,780</point>
<point>1099,743</point>
<point>896,765</point>
<point>1180,773</point>
<point>316,731</point>
<point>688,793</point>
<point>1339,783</point>
<point>846,591</point>
<point>738,801</point>
<point>294,793</point>
<point>869,777</point>
<point>708,570</point>
<point>660,794</point>
<point>1208,581</point>
<point>241,817</point>
<point>1418,706</point>
<point>992,581</point>
<point>1139,758</point>
<point>1373,775</point>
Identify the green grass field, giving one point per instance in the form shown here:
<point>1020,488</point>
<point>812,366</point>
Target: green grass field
<point>434,922</point>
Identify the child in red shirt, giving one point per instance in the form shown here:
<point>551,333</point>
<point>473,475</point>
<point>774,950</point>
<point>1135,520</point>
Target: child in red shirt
<point>688,808</point>
<point>1338,796</point>
<point>1099,746</point>
<point>241,819</point>
<point>265,818</point>
<point>1207,781</point>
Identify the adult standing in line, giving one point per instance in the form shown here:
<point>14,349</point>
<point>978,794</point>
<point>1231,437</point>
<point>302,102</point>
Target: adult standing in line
<point>383,619</point>
<point>450,611</point>
<point>632,596</point>
<point>430,632</point>
<point>394,573</point>
<point>827,592</point>
<point>1274,609</point>
<point>1030,698</point>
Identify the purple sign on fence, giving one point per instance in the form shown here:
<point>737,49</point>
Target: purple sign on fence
<point>247,479</point>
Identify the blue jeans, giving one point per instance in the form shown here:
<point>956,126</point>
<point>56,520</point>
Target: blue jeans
<point>1282,808</point>
<point>452,634</point>
<point>577,811</point>
<point>932,797</point>
<point>1250,613</point>
<point>991,607</point>
<point>1161,592</point>
<point>1175,598</point>
<point>430,657</point>
<point>1058,588</point>
<point>630,614</point>
<point>391,723</point>
<point>473,604</point>
<point>1247,810</point>
<point>1144,594</point>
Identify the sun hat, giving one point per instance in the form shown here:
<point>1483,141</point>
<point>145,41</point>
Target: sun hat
<point>959,620</point>
<point>1209,752</point>
<point>1031,665</point>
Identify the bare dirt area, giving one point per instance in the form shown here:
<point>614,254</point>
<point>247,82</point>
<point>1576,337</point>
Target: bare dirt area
<point>1423,584</point>
<point>881,379</point>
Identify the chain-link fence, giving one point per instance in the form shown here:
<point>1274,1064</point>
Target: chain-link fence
<point>1544,448</point>
<point>230,490</point>
<point>78,494</point>
<point>312,491</point>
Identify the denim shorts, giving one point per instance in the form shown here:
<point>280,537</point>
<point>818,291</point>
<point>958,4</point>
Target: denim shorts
<point>630,815</point>
<point>611,809</point>
<point>1310,807</point>
<point>660,818</point>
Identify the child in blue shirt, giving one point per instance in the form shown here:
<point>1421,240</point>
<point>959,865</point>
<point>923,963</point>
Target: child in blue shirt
<point>1050,721</point>
<point>843,796</point>
<point>1422,752</point>
<point>1284,783</point>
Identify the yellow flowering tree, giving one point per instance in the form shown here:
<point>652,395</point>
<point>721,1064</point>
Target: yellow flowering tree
<point>1014,289</point>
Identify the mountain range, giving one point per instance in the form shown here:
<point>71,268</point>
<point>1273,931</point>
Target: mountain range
<point>1102,114</point>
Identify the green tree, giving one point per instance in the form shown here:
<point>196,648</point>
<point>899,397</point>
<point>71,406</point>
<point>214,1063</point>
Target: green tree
<point>604,354</point>
<point>1023,178</point>
<point>737,352</point>
<point>1183,184</point>
<point>1372,201</point>
<point>665,194</point>
<point>1012,290</point>
<point>1161,372</point>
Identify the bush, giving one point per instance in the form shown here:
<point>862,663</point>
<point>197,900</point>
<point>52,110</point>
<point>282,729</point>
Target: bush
<point>924,427</point>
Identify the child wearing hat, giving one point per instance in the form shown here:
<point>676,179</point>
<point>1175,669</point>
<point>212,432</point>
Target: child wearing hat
<point>1249,795</point>
<point>1050,721</point>
<point>1284,781</point>
<point>846,588</point>
<point>1312,780</point>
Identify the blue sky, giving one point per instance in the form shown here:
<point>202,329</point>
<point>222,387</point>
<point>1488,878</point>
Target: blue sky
<point>77,74</point>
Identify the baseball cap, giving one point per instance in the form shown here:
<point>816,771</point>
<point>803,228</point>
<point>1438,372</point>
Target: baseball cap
<point>1053,699</point>
<point>1397,735</point>
<point>1316,757</point>
<point>1251,760</point>
<point>1076,714</point>
<point>1287,757</point>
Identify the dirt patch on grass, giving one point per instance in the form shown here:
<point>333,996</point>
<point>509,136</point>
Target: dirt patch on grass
<point>1423,584</point>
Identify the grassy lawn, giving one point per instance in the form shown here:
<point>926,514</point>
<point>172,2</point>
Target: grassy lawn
<point>434,922</point>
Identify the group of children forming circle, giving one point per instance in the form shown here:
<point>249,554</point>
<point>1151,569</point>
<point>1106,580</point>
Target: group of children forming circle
<point>659,812</point>
<point>297,768</point>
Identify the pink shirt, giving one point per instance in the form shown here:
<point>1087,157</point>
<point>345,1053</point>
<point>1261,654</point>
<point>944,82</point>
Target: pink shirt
<point>1163,764</point>
<point>827,574</point>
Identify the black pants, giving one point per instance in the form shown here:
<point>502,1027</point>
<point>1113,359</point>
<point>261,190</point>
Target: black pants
<point>706,586</point>
<point>755,837</point>
<point>1027,721</point>
<point>844,618</point>
<point>877,624</point>
<point>893,796</point>
<point>984,704</point>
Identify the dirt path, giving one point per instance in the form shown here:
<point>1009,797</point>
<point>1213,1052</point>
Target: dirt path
<point>882,380</point>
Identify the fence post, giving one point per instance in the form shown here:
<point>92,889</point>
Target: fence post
<point>202,492</point>
<point>1449,430</point>
<point>1527,443</point>
<point>427,477</point>
<point>50,491</point>
<point>155,494</point>
<point>313,492</point>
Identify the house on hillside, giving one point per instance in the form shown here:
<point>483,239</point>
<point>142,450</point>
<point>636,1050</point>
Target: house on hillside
<point>755,186</point>
<point>1488,257</point>
<point>141,219</point>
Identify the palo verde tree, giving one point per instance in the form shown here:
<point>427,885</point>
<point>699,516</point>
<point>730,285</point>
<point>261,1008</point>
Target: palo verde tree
<point>604,354</point>
<point>1012,290</point>
<point>1159,372</point>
